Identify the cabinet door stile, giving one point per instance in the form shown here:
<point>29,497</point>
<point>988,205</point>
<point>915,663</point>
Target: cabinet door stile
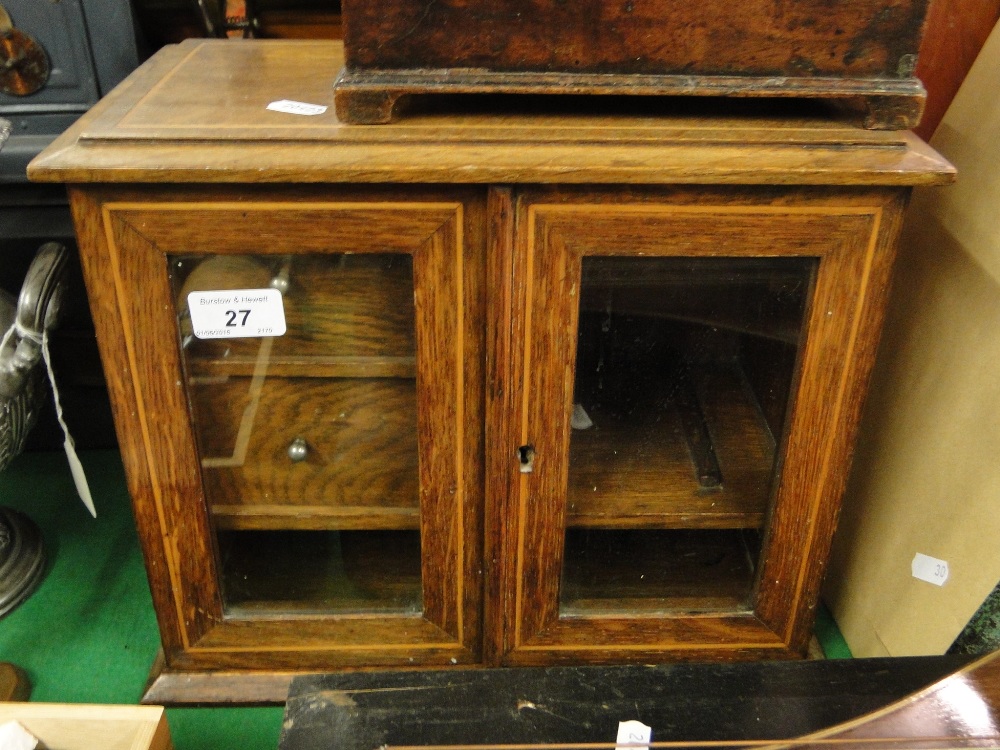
<point>504,301</point>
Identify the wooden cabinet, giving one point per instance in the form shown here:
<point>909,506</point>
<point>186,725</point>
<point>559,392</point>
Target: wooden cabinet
<point>550,387</point>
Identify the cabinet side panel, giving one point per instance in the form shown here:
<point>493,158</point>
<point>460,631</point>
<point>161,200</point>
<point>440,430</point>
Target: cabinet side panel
<point>105,297</point>
<point>830,421</point>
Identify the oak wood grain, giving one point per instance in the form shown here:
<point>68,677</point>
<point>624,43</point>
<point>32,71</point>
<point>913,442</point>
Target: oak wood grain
<point>504,335</point>
<point>636,471</point>
<point>868,40</point>
<point>466,349</point>
<point>198,113</point>
<point>360,470</point>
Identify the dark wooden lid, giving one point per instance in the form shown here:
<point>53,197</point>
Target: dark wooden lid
<point>197,112</point>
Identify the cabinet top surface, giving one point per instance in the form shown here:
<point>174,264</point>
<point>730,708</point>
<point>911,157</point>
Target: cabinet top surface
<point>198,112</point>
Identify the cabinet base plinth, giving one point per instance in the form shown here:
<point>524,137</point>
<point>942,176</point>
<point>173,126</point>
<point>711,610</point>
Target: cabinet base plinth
<point>168,687</point>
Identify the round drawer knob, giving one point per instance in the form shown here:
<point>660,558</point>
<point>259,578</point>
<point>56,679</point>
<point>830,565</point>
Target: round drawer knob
<point>298,450</point>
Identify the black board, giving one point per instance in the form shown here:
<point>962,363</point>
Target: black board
<point>681,702</point>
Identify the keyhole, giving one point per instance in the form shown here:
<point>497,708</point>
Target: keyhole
<point>526,455</point>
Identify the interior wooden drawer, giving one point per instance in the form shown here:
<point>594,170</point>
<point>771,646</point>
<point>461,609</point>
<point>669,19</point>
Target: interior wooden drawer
<point>360,465</point>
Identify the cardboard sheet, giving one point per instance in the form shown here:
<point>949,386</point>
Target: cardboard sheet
<point>926,476</point>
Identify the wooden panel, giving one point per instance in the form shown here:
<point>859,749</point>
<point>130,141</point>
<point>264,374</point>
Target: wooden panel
<point>197,114</point>
<point>810,38</point>
<point>711,636</point>
<point>80,727</point>
<point>504,331</point>
<point>844,328</point>
<point>159,456</point>
<point>361,467</point>
<point>96,262</point>
<point>707,705</point>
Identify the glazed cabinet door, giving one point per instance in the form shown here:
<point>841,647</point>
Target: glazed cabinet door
<point>681,384</point>
<point>305,447</point>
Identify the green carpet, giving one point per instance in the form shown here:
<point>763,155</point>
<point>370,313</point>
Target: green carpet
<point>88,635</point>
<point>829,636</point>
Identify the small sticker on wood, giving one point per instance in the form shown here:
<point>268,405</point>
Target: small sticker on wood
<point>290,107</point>
<point>237,313</point>
<point>633,734</point>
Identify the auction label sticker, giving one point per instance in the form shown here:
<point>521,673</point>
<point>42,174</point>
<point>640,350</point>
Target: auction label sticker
<point>930,569</point>
<point>237,313</point>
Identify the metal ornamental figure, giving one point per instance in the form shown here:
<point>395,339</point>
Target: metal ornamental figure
<point>23,325</point>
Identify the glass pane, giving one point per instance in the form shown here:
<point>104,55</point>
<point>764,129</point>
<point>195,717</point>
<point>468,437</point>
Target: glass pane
<point>683,377</point>
<point>307,440</point>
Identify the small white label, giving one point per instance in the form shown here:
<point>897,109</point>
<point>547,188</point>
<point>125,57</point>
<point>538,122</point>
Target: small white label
<point>296,108</point>
<point>633,734</point>
<point>13,736</point>
<point>237,313</point>
<point>930,569</point>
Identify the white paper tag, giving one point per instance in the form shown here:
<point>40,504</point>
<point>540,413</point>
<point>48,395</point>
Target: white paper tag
<point>237,313</point>
<point>13,736</point>
<point>296,108</point>
<point>633,734</point>
<point>930,569</point>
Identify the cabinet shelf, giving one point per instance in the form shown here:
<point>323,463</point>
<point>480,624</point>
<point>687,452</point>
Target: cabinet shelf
<point>206,370</point>
<point>648,478</point>
<point>346,572</point>
<point>314,517</point>
<point>631,572</point>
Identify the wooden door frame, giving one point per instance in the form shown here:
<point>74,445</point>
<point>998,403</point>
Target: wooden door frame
<point>130,235</point>
<point>851,231</point>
